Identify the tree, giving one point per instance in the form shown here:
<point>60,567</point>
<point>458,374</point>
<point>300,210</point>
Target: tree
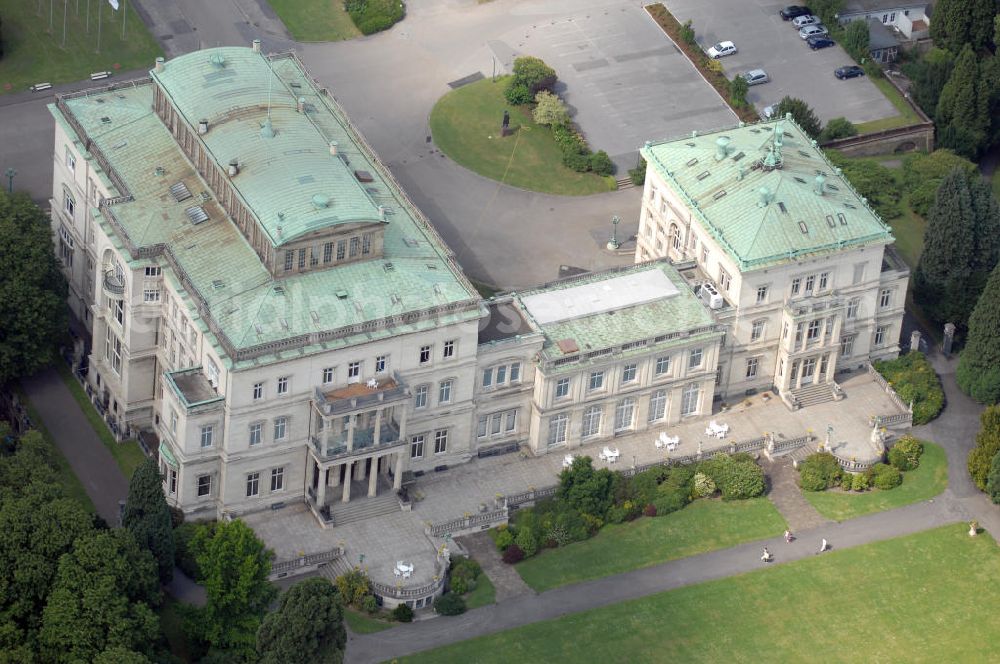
<point>941,279</point>
<point>234,567</point>
<point>857,39</point>
<point>993,480</point>
<point>530,75</point>
<point>978,373</point>
<point>923,173</point>
<point>987,445</point>
<point>32,289</point>
<point>586,489</point>
<point>120,655</point>
<point>929,75</point>
<point>962,114</point>
<point>738,89</point>
<point>827,10</point>
<point>985,231</point>
<point>801,113</point>
<point>101,599</point>
<point>873,181</point>
<point>958,23</point>
<point>147,517</point>
<point>837,128</point>
<point>306,628</point>
<point>549,109</point>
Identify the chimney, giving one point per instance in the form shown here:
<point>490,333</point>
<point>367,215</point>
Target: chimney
<point>278,232</point>
<point>234,168</point>
<point>301,105</point>
<point>381,212</point>
<point>256,46</point>
<point>202,127</point>
<point>158,67</point>
<point>818,184</point>
<point>721,148</point>
<point>764,197</point>
<point>333,148</point>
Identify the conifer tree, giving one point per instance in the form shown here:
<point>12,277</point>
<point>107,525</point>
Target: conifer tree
<point>960,22</point>
<point>962,113</point>
<point>979,365</point>
<point>148,517</point>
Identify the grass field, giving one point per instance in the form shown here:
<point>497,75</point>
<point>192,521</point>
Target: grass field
<point>315,20</point>
<point>484,593</point>
<point>929,597</point>
<point>909,229</point>
<point>702,526</point>
<point>928,480</point>
<point>359,623</point>
<point>907,116</point>
<point>33,53</point>
<point>466,126</point>
<point>128,454</point>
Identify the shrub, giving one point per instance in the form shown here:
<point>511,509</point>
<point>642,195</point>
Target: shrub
<point>811,479</point>
<point>403,613</point>
<point>837,128</point>
<point>687,34</point>
<point>526,541</point>
<point>643,486</point>
<point>369,604</point>
<point>819,472</point>
<point>923,173</point>
<point>354,587</point>
<point>617,514</point>
<point>914,380</point>
<point>987,445</point>
<point>859,482</point>
<point>449,604</point>
<point>638,174</point>
<point>504,538</point>
<point>649,510</point>
<point>912,448</point>
<point>463,575</point>
<point>576,161</point>
<point>738,90</point>
<point>993,479</point>
<point>184,556</point>
<point>601,163</point>
<point>586,489</point>
<point>899,460</point>
<point>371,16</point>
<point>801,112</point>
<point>549,110</point>
<point>513,554</point>
<point>743,480</point>
<point>518,94</point>
<point>885,477</point>
<point>668,502</point>
<point>704,486</point>
<point>530,75</point>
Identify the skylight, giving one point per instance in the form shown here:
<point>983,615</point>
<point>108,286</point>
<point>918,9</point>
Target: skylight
<point>196,214</point>
<point>803,228</point>
<point>180,192</point>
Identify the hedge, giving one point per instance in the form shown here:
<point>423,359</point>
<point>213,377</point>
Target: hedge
<point>914,380</point>
<point>371,16</point>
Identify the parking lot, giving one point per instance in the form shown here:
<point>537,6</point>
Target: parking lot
<point>766,42</point>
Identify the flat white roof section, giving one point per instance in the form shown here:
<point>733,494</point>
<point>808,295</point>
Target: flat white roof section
<point>599,297</point>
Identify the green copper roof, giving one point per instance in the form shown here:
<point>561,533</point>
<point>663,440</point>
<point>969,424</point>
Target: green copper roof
<point>253,317</point>
<point>665,319</point>
<point>285,164</point>
<point>757,193</point>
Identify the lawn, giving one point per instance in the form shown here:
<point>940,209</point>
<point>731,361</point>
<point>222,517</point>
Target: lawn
<point>465,124</point>
<point>929,479</point>
<point>68,479</point>
<point>909,229</point>
<point>315,20</point>
<point>483,595</point>
<point>33,53</point>
<point>127,454</point>
<point>704,525</point>
<point>907,116</point>
<point>359,623</point>
<point>929,597</point>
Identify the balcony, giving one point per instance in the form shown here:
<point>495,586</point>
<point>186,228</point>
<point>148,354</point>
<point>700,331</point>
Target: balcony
<point>336,445</point>
<point>362,396</point>
<point>114,283</point>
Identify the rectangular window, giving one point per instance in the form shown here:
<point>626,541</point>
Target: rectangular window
<point>761,294</point>
<point>847,346</point>
<point>487,377</point>
<point>327,375</point>
<point>852,307</point>
<point>694,359</point>
<point>444,391</point>
<point>752,363</point>
<point>515,372</point>
<point>591,421</point>
<point>511,420</point>
<point>258,391</point>
<point>278,479</point>
<point>448,350</point>
<point>151,295</point>
<point>69,205</point>
<point>173,418</point>
<point>119,309</point>
<point>280,426</point>
<point>496,422</point>
<point>366,244</point>
<point>796,285</point>
<point>824,279</point>
<point>704,256</point>
<point>810,282</point>
<point>302,258</point>
<point>481,429</point>
<point>596,380</point>
<point>172,481</point>
<point>353,371</point>
<point>253,484</point>
<point>328,252</point>
<point>812,332</point>
<point>417,447</point>
<point>562,388</point>
<point>70,160</point>
<point>624,414</point>
<point>355,246</point>
<point>885,298</point>
<point>689,399</point>
<point>557,429</point>
<point>859,273</point>
<point>657,405</point>
<point>207,435</point>
<point>880,335</point>
<point>255,433</point>
<point>425,354</point>
<point>283,385</point>
<point>662,365</point>
<point>341,250</point>
<point>629,373</point>
<point>113,351</point>
<point>440,441</point>
<point>289,260</point>
<point>420,396</point>
<point>724,279</point>
<point>152,272</point>
<point>204,485</point>
<point>501,374</point>
<point>380,362</point>
<point>757,329</point>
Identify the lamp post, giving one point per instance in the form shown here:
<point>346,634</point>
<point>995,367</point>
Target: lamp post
<point>10,173</point>
<point>613,243</point>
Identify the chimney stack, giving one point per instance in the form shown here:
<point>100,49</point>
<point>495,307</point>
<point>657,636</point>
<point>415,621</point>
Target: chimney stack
<point>203,127</point>
<point>333,148</point>
<point>234,168</point>
<point>256,46</point>
<point>301,105</point>
<point>159,65</point>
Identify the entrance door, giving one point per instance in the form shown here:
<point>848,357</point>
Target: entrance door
<point>808,370</point>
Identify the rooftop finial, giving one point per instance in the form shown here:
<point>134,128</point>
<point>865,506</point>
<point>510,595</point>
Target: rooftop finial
<point>819,182</point>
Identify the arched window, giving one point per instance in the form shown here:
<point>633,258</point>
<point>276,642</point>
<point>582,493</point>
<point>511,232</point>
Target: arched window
<point>69,203</point>
<point>675,237</point>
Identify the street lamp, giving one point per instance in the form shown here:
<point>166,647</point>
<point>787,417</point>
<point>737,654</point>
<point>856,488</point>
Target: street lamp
<point>10,173</point>
<point>613,243</point>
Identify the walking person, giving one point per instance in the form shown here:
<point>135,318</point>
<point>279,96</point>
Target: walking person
<point>766,556</point>
<point>823,546</point>
<point>788,536</point>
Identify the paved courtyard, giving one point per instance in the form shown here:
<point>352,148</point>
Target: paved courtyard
<point>448,495</point>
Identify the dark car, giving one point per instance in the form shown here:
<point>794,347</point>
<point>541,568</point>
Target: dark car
<point>849,72</point>
<point>819,41</point>
<point>793,11</point>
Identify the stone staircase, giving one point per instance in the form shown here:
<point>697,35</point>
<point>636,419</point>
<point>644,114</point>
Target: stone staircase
<point>814,394</point>
<point>336,568</point>
<point>363,508</point>
<point>625,182</point>
<point>800,453</point>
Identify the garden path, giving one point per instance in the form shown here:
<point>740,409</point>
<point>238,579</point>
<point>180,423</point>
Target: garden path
<point>788,498</point>
<point>507,582</point>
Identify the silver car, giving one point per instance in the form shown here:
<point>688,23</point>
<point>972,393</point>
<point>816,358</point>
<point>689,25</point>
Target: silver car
<point>756,77</point>
<point>813,31</point>
<point>803,21</point>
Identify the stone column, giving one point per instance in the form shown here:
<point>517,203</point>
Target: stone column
<point>347,482</point>
<point>915,341</point>
<point>327,425</point>
<point>378,427</point>
<point>336,475</point>
<point>350,432</point>
<point>402,423</point>
<point>397,480</point>
<point>385,464</point>
<point>321,491</point>
<point>797,370</point>
<point>373,475</point>
<point>359,469</point>
<point>949,338</point>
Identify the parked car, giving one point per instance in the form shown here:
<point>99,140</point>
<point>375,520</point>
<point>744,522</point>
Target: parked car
<point>756,77</point>
<point>813,31</point>
<point>819,41</point>
<point>806,19</point>
<point>793,11</point>
<point>851,71</point>
<point>721,50</point>
<point>768,112</point>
